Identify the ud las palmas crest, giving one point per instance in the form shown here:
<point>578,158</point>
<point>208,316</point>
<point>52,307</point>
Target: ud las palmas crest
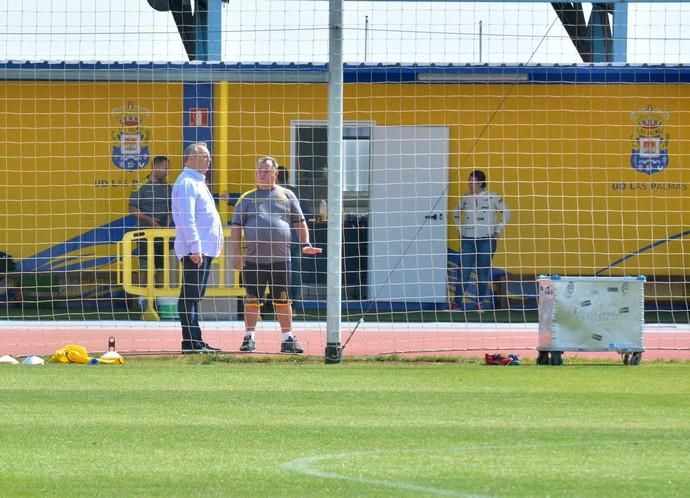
<point>650,141</point>
<point>130,150</point>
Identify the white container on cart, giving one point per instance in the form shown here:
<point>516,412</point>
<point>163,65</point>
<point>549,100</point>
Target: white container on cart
<point>590,314</point>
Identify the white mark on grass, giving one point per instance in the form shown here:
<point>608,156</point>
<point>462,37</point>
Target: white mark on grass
<point>306,466</point>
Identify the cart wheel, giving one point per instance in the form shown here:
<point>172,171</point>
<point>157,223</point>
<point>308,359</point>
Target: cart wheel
<point>556,358</point>
<point>626,359</point>
<point>636,358</point>
<point>543,358</point>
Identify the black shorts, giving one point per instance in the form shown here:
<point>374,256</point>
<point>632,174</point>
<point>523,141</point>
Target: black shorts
<point>157,254</point>
<point>276,276</point>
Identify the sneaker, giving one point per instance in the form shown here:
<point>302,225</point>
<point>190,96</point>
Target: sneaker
<point>290,345</point>
<point>248,345</point>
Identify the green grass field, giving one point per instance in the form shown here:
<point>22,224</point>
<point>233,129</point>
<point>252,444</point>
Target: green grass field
<point>207,426</point>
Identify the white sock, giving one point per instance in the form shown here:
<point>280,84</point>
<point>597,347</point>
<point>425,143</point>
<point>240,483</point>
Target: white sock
<point>287,335</point>
<point>249,334</point>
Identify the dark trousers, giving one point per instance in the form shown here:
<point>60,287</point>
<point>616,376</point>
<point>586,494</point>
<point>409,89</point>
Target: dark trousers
<point>194,279</point>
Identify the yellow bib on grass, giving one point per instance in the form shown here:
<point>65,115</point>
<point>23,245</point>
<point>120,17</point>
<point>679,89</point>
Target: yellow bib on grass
<point>73,353</point>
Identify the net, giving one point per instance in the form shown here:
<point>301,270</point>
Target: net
<point>583,165</point>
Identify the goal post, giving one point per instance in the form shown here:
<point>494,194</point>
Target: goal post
<point>333,353</point>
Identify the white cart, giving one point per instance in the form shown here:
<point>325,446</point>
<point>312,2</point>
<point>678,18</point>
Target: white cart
<point>590,314</point>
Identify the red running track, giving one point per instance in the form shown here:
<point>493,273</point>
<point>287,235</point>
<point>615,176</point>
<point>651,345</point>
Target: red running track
<point>24,338</point>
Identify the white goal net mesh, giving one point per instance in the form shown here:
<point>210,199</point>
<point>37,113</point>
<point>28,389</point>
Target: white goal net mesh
<point>479,153</point>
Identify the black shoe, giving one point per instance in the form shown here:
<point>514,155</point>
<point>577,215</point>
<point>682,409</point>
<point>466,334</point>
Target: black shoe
<point>189,347</point>
<point>248,345</point>
<point>193,350</point>
<point>290,345</point>
<point>201,350</point>
<point>194,347</point>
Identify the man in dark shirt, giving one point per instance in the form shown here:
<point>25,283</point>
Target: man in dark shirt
<point>266,215</point>
<point>151,205</point>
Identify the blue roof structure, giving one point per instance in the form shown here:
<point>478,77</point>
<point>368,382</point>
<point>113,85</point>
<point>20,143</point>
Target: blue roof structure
<point>202,72</point>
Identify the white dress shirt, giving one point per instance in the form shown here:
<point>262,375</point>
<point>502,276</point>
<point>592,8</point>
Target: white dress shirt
<point>197,223</point>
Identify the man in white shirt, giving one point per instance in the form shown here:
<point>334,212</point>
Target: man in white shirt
<point>198,239</point>
<point>481,216</point>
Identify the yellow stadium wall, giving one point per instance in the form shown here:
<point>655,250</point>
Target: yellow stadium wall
<point>58,180</point>
<point>557,153</point>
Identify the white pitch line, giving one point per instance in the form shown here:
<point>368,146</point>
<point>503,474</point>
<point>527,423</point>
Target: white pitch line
<point>304,466</point>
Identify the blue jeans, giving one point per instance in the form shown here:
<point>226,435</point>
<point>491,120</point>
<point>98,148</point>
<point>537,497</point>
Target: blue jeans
<point>476,257</point>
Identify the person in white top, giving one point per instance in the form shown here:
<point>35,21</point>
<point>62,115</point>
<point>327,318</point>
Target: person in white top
<point>481,217</point>
<point>198,239</point>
